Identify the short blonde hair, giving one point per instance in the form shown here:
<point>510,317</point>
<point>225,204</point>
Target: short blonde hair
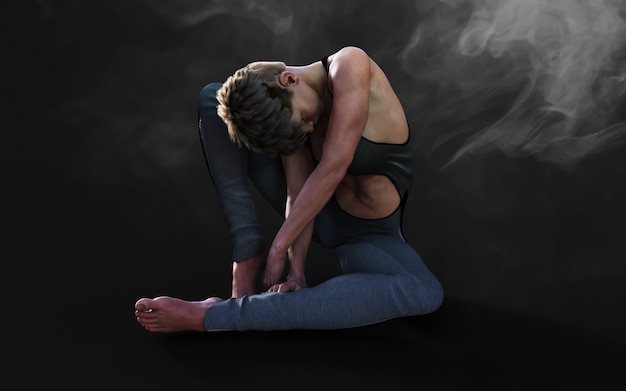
<point>257,110</point>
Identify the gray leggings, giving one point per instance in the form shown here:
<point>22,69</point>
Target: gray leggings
<point>383,276</point>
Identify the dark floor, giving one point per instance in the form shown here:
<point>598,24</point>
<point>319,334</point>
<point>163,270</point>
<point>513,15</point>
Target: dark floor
<point>462,346</point>
<point>85,287</point>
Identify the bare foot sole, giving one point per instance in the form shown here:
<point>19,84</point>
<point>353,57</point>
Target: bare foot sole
<point>166,314</point>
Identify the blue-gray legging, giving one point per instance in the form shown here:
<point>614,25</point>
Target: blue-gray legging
<point>383,276</point>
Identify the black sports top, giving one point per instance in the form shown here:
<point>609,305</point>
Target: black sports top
<point>392,160</point>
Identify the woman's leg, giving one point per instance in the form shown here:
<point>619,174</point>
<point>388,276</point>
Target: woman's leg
<point>384,278</point>
<point>230,167</point>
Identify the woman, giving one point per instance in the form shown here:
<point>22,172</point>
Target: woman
<point>329,144</point>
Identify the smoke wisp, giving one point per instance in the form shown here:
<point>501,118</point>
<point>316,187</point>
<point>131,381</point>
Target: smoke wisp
<point>563,61</point>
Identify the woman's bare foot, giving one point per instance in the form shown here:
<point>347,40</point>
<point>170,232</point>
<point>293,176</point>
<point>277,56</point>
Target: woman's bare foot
<point>165,314</point>
<point>246,275</point>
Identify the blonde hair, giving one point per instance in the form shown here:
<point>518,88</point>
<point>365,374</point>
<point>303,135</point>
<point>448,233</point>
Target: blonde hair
<point>257,110</point>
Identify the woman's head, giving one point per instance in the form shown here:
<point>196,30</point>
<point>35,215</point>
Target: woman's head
<point>257,110</point>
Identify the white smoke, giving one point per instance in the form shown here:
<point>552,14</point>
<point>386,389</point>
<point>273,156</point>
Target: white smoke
<point>568,56</point>
<point>275,15</point>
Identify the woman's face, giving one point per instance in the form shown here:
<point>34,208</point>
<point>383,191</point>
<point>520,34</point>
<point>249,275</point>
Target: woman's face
<point>306,106</point>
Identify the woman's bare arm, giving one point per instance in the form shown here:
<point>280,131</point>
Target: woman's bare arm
<point>298,166</point>
<point>350,75</point>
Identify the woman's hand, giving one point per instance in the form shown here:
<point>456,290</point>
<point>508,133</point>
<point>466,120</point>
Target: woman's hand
<point>292,284</point>
<point>274,267</point>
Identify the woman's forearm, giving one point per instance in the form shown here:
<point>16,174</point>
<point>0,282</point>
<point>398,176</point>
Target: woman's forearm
<point>298,254</point>
<point>315,193</point>
<point>298,167</point>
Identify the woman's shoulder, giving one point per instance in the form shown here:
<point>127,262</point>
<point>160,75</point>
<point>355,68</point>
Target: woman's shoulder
<point>348,58</point>
<point>350,53</point>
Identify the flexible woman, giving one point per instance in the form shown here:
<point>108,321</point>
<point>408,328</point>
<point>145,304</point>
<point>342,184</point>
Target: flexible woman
<point>328,145</point>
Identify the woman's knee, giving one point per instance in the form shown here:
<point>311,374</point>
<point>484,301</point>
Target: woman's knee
<point>424,295</point>
<point>435,294</point>
<point>207,99</point>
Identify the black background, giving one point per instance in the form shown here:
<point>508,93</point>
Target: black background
<point>107,199</point>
